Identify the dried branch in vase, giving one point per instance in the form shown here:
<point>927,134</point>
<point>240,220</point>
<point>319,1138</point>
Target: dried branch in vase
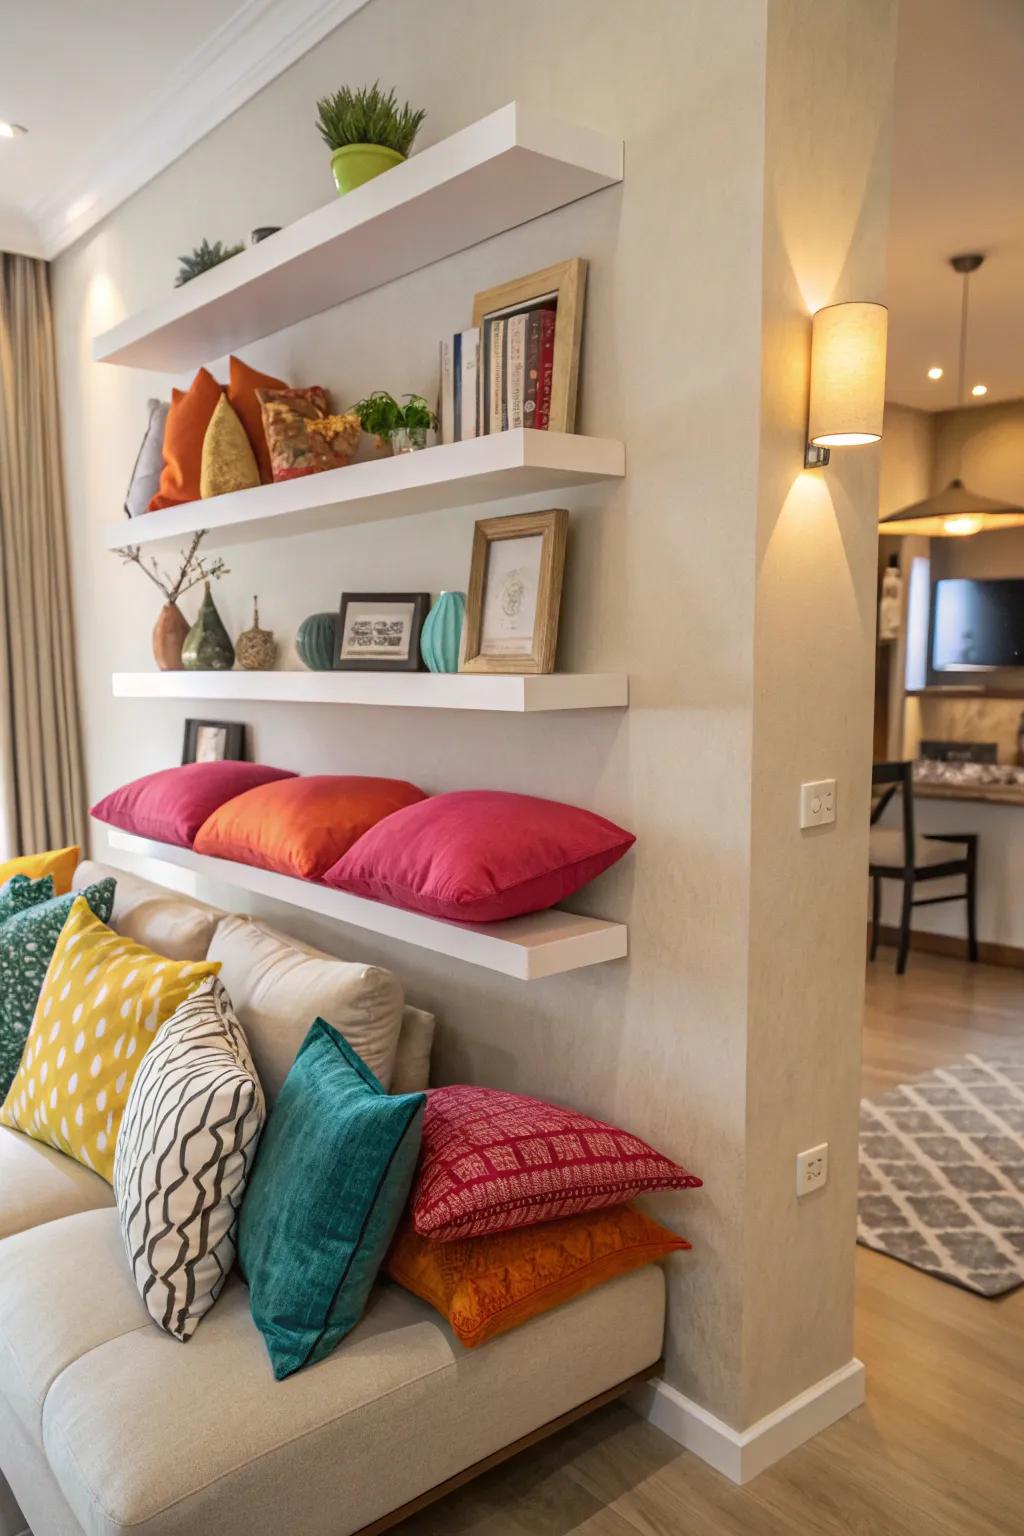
<point>193,569</point>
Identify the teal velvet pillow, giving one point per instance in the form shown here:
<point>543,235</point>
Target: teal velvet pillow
<point>331,1179</point>
<point>20,893</point>
<point>27,942</point>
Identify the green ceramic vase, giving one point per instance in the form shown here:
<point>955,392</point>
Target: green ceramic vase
<point>442,632</point>
<point>316,641</point>
<point>353,164</point>
<point>208,645</point>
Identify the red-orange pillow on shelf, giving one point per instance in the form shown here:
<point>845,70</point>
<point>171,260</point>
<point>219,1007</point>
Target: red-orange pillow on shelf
<point>187,421</point>
<point>301,826</point>
<point>485,1285</point>
<point>243,382</point>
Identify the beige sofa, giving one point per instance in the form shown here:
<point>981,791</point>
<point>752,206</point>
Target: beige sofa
<point>109,1426</point>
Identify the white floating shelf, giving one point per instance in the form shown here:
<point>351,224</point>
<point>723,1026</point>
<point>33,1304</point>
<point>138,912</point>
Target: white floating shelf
<point>485,469</point>
<point>508,168</point>
<point>527,948</point>
<point>517,694</point>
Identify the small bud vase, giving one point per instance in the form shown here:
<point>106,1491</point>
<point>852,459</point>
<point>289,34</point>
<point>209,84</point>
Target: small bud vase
<point>442,632</point>
<point>256,649</point>
<point>208,647</point>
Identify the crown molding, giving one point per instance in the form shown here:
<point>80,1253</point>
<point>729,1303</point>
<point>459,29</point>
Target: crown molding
<point>255,45</point>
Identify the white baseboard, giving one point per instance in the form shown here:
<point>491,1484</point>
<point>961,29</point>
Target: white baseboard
<point>741,1455</point>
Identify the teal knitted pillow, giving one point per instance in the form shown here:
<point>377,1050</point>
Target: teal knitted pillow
<point>27,942</point>
<point>331,1179</point>
<point>20,893</point>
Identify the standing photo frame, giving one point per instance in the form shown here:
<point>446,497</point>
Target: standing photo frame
<point>213,741</point>
<point>561,287</point>
<point>515,593</point>
<point>380,631</point>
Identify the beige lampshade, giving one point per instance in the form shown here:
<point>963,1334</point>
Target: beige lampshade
<point>953,513</point>
<point>847,375</point>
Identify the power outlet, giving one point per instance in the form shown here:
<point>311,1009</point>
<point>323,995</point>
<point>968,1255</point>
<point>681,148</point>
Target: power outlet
<point>818,803</point>
<point>812,1169</point>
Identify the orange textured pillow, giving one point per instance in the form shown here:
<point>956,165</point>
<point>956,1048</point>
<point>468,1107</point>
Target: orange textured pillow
<point>485,1285</point>
<point>243,382</point>
<point>187,421</point>
<point>301,826</point>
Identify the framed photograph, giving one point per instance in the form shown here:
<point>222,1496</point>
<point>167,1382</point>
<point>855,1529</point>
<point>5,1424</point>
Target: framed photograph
<point>530,332</point>
<point>515,591</point>
<point>380,631</point>
<point>213,741</point>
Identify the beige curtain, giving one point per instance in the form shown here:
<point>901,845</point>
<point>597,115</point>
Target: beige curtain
<point>42,797</point>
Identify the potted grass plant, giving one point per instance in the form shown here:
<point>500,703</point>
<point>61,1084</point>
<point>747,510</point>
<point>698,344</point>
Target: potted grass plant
<point>366,131</point>
<point>402,428</point>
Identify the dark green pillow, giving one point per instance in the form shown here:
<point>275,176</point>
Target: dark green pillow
<point>331,1179</point>
<point>27,942</point>
<point>20,893</point>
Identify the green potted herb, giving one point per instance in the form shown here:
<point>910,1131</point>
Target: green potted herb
<point>403,427</point>
<point>366,131</point>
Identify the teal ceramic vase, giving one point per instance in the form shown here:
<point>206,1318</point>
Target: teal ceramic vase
<point>442,632</point>
<point>316,641</point>
<point>208,645</point>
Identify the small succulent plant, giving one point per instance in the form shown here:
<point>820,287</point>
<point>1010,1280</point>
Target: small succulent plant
<point>203,258</point>
<point>368,116</point>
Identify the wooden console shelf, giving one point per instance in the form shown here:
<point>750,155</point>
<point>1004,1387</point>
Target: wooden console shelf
<point>526,948</point>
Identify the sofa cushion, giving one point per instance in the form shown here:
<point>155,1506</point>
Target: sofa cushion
<point>279,986</point>
<point>412,1057</point>
<point>38,1184</point>
<point>174,925</point>
<point>217,1445</point>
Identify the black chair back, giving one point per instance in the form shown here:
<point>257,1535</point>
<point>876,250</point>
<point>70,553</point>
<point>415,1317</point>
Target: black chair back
<point>899,777</point>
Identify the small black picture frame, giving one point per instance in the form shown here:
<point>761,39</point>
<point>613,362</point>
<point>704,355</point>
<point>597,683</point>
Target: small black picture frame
<point>213,741</point>
<point>380,631</point>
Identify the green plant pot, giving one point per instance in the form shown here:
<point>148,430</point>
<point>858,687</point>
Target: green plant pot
<point>353,164</point>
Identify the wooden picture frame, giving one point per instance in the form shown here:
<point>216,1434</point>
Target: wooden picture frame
<point>225,742</point>
<point>512,609</point>
<point>565,284</point>
<point>376,608</point>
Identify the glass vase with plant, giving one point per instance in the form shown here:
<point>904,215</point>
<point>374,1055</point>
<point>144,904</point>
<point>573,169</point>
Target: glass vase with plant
<point>402,428</point>
<point>171,626</point>
<point>366,131</point>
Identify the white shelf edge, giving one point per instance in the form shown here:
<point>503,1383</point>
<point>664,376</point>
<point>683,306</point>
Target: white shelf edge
<point>525,948</point>
<point>514,165</point>
<point>496,467</point>
<point>508,694</point>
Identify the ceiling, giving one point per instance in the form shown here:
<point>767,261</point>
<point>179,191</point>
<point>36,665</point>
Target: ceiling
<point>125,86</point>
<point>957,183</point>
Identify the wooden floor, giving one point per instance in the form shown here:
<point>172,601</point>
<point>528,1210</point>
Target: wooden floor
<point>939,1448</point>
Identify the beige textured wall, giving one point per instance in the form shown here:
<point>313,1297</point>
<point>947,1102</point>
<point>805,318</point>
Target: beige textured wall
<point>664,573</point>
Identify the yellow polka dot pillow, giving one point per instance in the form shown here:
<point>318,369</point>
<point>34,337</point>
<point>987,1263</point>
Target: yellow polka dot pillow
<point>102,1002</point>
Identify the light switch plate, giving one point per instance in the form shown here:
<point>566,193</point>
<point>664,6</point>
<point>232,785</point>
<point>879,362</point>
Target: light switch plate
<point>818,803</point>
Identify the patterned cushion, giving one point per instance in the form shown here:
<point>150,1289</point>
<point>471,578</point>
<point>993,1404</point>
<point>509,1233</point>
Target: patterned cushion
<point>59,862</point>
<point>27,942</point>
<point>103,1000</point>
<point>493,1161</point>
<point>487,1285</point>
<point>302,439</point>
<point>188,1138</point>
<point>20,893</point>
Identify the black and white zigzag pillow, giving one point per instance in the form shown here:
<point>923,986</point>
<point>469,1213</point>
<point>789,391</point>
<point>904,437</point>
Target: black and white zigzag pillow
<point>187,1142</point>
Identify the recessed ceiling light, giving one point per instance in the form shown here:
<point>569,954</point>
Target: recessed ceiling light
<point>980,389</point>
<point>11,130</point>
<point>935,373</point>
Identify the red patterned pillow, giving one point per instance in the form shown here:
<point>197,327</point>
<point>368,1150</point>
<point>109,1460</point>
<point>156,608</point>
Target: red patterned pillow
<point>493,1161</point>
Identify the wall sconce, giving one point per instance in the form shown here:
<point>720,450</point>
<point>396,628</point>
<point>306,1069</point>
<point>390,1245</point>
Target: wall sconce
<point>847,379</point>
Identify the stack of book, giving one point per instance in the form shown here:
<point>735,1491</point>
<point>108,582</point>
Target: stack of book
<point>500,379</point>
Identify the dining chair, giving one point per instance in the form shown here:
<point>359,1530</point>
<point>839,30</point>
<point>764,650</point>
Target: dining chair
<point>897,853</point>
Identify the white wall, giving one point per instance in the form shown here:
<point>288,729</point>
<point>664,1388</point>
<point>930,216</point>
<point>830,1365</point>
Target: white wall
<point>712,548</point>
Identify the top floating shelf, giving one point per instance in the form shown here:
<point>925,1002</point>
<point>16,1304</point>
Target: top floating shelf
<point>506,169</point>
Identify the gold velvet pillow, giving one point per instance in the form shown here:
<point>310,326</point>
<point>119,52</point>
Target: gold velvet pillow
<point>229,463</point>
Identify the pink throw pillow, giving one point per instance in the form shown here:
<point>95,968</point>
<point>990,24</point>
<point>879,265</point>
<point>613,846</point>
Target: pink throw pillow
<point>170,806</point>
<point>479,855</point>
<point>493,1161</point>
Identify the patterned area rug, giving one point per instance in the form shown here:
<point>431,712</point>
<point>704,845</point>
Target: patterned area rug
<point>942,1173</point>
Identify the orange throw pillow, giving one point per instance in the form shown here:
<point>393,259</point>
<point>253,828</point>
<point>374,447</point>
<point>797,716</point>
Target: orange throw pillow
<point>485,1285</point>
<point>243,382</point>
<point>187,421</point>
<point>301,826</point>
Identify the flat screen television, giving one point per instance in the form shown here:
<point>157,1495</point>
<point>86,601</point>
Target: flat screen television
<point>977,625</point>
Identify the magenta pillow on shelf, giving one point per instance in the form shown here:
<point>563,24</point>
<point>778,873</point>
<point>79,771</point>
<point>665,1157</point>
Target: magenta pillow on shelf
<point>170,806</point>
<point>479,855</point>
